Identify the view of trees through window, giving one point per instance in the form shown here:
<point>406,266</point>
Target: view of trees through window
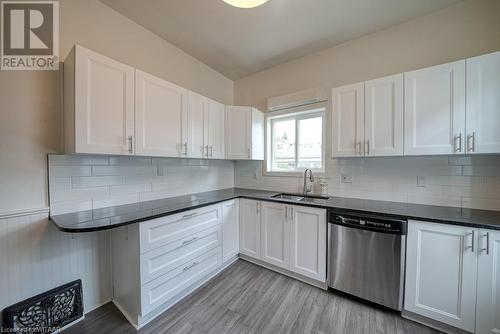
<point>297,143</point>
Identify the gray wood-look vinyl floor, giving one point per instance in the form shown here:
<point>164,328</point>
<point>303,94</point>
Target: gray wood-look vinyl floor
<point>246,298</point>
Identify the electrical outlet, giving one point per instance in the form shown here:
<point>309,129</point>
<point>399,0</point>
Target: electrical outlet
<point>420,181</point>
<point>346,178</point>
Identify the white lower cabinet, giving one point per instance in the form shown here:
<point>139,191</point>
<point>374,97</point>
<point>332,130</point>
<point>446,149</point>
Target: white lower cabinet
<point>275,234</point>
<point>291,237</point>
<point>308,240</point>
<point>488,283</point>
<point>445,265</point>
<point>230,229</point>
<point>158,262</point>
<point>250,228</point>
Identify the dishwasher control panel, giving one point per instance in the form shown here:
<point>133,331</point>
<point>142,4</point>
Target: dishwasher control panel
<point>370,222</point>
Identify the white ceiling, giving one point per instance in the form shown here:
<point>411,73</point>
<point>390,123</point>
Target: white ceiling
<point>239,42</point>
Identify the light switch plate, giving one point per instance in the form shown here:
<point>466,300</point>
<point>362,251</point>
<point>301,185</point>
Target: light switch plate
<point>420,181</point>
<point>346,178</point>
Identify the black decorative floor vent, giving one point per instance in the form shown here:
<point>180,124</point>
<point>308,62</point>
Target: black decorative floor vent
<point>46,312</point>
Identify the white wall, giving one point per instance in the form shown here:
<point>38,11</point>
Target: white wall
<point>467,29</point>
<point>34,256</point>
<point>31,111</point>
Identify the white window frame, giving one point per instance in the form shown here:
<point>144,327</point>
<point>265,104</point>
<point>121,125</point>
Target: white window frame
<point>299,113</point>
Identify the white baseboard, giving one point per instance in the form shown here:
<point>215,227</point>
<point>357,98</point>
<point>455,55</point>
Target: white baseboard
<point>432,323</point>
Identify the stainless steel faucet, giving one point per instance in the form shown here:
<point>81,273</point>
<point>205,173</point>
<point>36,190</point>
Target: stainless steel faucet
<point>308,189</point>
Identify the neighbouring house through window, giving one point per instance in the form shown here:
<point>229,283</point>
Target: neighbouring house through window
<point>295,140</point>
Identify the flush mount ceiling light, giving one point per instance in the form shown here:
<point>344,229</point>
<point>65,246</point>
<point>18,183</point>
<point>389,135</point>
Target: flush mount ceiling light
<point>245,3</point>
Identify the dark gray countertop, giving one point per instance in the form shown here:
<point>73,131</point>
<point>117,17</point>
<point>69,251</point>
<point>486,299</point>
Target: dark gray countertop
<point>115,216</point>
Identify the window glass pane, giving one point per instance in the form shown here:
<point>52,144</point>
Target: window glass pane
<point>284,145</point>
<point>310,137</point>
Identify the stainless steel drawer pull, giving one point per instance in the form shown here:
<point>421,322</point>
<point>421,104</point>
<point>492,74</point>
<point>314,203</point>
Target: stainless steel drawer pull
<point>185,242</point>
<point>211,151</point>
<point>189,215</point>
<point>487,249</point>
<point>471,247</point>
<point>190,266</point>
<point>458,148</point>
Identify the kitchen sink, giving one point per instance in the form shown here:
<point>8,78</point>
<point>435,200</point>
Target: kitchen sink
<point>302,198</point>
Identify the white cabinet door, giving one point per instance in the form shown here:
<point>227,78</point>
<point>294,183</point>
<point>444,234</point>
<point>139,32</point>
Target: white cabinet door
<point>275,235</point>
<point>348,120</point>
<point>435,110</point>
<point>483,104</point>
<point>308,242</point>
<point>197,105</point>
<point>238,132</point>
<point>250,228</point>
<point>384,116</point>
<point>441,268</point>
<point>488,285</point>
<point>160,116</point>
<point>215,129</point>
<point>104,104</point>
<point>230,229</point>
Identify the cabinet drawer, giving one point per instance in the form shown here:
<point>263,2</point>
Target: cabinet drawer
<point>161,260</point>
<point>161,231</point>
<point>166,287</point>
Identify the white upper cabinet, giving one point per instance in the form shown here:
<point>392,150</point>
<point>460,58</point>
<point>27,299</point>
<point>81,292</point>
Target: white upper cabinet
<point>441,273</point>
<point>275,234</point>
<point>483,104</point>
<point>308,242</point>
<point>348,120</point>
<point>98,104</point>
<point>488,285</point>
<point>244,134</point>
<point>435,110</point>
<point>197,106</point>
<point>160,117</point>
<point>384,116</point>
<point>214,123</point>
<point>250,228</point>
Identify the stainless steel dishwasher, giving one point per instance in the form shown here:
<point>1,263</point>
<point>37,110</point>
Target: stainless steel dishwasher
<point>366,257</point>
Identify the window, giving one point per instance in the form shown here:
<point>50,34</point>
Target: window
<point>295,141</point>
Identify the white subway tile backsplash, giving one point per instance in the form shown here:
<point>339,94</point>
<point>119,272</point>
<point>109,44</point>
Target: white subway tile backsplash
<point>482,170</point>
<point>469,181</point>
<point>78,160</point>
<point>96,181</point>
<point>124,170</point>
<point>82,194</point>
<point>116,200</point>
<point>135,161</point>
<point>129,189</point>
<point>65,171</point>
<point>117,180</point>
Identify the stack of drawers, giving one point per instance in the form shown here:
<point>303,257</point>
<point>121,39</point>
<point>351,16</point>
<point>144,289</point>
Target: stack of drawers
<point>177,253</point>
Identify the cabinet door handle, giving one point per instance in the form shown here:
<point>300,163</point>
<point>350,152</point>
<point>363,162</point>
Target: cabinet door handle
<point>472,234</point>
<point>185,148</point>
<point>487,249</point>
<point>257,207</point>
<point>358,145</point>
<point>190,215</point>
<point>207,150</point>
<point>130,145</point>
<point>286,212</point>
<point>367,147</point>
<point>291,212</point>
<point>185,242</point>
<point>190,266</point>
<point>211,151</point>
<point>458,148</point>
<point>248,152</point>
<point>471,142</point>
